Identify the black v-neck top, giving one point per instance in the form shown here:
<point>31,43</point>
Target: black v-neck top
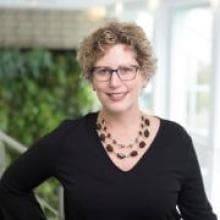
<point>166,177</point>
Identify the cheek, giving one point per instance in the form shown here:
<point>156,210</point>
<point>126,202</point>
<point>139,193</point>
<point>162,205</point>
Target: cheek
<point>97,88</point>
<point>138,86</point>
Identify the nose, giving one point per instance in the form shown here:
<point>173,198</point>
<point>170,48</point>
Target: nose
<point>114,81</point>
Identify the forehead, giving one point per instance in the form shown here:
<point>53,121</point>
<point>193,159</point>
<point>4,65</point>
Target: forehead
<point>115,55</point>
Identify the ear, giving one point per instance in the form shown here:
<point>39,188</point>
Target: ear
<point>146,79</point>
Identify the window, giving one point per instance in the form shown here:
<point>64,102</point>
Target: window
<point>191,46</point>
<point>190,88</point>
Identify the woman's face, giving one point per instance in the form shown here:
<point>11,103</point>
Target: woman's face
<point>115,94</point>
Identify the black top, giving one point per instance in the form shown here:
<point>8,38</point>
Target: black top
<point>167,176</point>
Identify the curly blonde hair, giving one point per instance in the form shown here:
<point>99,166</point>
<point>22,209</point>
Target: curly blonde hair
<point>96,44</point>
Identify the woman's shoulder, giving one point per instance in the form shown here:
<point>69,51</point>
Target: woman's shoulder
<point>79,123</point>
<point>175,137</point>
<point>71,123</point>
<point>173,129</point>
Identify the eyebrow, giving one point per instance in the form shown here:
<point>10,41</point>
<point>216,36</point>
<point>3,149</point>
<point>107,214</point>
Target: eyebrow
<point>115,68</point>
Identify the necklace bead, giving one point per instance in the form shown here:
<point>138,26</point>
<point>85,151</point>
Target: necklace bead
<point>108,135</point>
<point>102,137</point>
<point>98,126</point>
<point>105,136</point>
<point>109,148</point>
<point>147,122</point>
<point>142,144</point>
<point>146,133</point>
<point>134,153</point>
<point>121,155</point>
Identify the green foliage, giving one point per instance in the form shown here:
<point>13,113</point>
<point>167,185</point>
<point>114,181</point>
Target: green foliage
<point>38,89</point>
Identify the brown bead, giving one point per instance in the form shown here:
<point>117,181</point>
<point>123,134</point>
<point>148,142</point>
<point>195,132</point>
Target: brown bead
<point>147,122</point>
<point>98,126</point>
<point>142,144</point>
<point>120,155</point>
<point>133,153</point>
<point>146,133</point>
<point>109,148</point>
<point>104,134</point>
<point>102,137</point>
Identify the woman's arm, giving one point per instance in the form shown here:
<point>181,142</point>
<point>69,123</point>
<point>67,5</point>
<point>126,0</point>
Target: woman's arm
<point>193,202</point>
<point>17,201</point>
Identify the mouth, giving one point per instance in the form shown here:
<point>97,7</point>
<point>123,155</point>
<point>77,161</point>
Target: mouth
<point>117,96</point>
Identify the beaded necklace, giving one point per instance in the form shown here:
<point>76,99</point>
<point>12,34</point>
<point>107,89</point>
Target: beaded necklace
<point>111,143</point>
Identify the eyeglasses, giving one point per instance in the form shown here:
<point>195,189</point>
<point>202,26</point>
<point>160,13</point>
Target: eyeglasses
<point>125,73</point>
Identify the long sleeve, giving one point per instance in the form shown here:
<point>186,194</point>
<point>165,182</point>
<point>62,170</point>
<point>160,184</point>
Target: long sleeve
<point>17,200</point>
<point>193,202</point>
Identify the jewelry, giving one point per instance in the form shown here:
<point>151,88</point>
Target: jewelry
<point>110,143</point>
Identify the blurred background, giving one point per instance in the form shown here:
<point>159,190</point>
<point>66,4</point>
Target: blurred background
<point>40,81</point>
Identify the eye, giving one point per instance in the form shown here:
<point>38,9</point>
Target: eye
<point>102,71</point>
<point>126,69</point>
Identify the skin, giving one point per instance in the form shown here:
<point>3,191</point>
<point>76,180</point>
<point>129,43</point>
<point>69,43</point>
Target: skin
<point>116,96</point>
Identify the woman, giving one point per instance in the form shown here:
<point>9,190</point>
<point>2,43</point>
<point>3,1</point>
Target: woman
<point>118,163</point>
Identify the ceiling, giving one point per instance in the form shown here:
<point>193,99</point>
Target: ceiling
<point>66,4</point>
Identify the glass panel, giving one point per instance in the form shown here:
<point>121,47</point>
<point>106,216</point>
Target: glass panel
<point>191,47</point>
<point>204,74</point>
<point>201,118</point>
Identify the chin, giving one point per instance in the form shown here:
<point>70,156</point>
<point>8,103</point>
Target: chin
<point>117,109</point>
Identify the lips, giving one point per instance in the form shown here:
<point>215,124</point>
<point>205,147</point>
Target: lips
<point>117,96</point>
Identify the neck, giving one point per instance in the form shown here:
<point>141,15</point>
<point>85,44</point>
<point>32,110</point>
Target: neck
<point>122,120</point>
<point>123,127</point>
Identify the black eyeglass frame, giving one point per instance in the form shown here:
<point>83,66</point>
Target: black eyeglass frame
<point>117,71</point>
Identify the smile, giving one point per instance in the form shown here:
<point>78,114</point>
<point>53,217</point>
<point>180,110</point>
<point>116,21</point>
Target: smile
<point>117,96</point>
